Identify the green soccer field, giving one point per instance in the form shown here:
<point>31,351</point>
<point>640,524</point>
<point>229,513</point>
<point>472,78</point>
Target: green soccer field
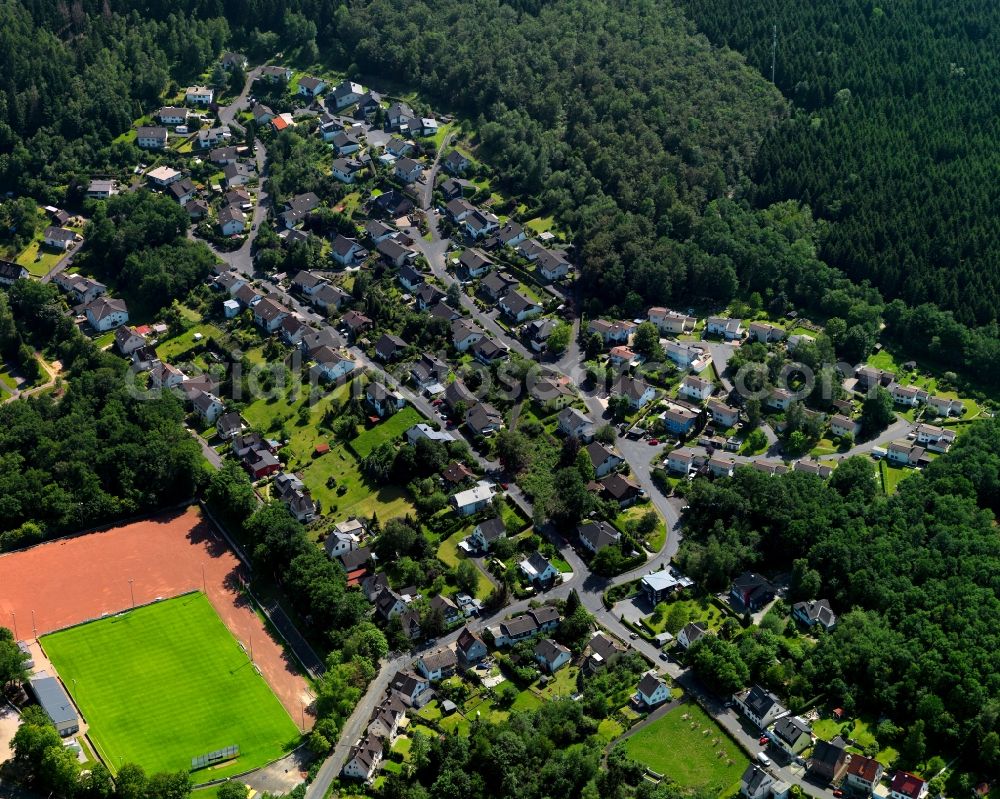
<point>168,682</point>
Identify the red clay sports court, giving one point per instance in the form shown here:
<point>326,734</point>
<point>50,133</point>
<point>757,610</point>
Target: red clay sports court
<point>69,581</point>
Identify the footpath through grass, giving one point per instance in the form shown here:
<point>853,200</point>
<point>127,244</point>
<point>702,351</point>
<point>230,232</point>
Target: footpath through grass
<point>168,682</point>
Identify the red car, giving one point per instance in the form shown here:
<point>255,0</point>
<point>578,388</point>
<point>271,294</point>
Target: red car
<point>654,442</point>
<point>763,740</point>
<point>838,792</point>
<point>504,486</point>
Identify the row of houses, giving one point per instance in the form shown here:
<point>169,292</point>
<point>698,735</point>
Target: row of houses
<point>88,297</point>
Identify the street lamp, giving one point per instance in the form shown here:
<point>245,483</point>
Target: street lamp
<point>14,617</point>
<point>34,629</point>
<point>132,592</point>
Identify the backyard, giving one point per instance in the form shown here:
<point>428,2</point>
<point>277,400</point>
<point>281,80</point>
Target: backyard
<point>700,755</point>
<point>388,430</point>
<point>685,610</point>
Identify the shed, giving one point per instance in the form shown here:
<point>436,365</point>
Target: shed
<point>56,704</point>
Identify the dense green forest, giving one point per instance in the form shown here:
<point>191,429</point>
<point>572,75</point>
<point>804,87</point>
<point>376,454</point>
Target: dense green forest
<point>94,454</point>
<point>913,575</point>
<point>894,138</point>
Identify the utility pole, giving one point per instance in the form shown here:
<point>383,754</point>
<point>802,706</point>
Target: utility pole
<point>132,592</point>
<point>14,617</point>
<point>774,50</point>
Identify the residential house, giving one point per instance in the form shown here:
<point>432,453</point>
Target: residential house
<point>234,60</point>
<point>483,419</point>
<point>458,397</point>
<point>106,313</point>
<point>760,706</point>
<point>791,734</point>
<point>596,535</point>
<point>383,401</point>
<point>400,114</point>
<point>101,189</point>
<point>797,340</point>
<point>756,783</point>
<point>481,223</point>
<point>268,314</point>
<point>344,169</point>
<point>196,209</point>
<point>764,333</point>
<point>821,470</point>
<point>229,425</point>
<point>473,500</point>
<point>364,759</point>
<point>347,251</point>
<point>685,355</point>
<point>574,423</point>
<point>409,277</point>
<point>690,633</point>
<point>261,463</point>
<point>163,175</point>
<point>212,137</point>
<point>328,296</point>
<point>729,329</point>
<point>310,86</point>
<point>344,142</point>
<point>552,392</point>
<point>389,604</point>
<point>621,356</point>
<point>456,474</point>
<point>428,371</point>
<point>458,210</point>
<point>636,391</point>
<point>475,263</point>
<point>425,431</point>
<point>863,774</point>
<point>682,461</point>
<point>276,74</point>
<point>603,459</point>
<point>829,761</point>
<point>621,489</point>
<point>58,238</point>
<point>171,115</point>
<point>449,610</point>
<point>813,612</point>
<point>232,220</point>
<point>379,231</point>
<point>779,399</point>
<point>538,332</point>
<point>910,396</point>
<point>935,439</point>
<point>237,174</point>
<point>844,426</point>
<point>455,163</point>
<point>723,414</point>
<point>550,655</point>
<point>612,332</point>
<point>262,114</point>
<point>450,189</point>
<point>658,586</point>
<point>393,204</point>
<point>128,341</point>
<point>537,568</point>
<point>464,334</point>
<point>907,786</point>
<point>487,533</point>
<point>488,351</point>
<point>601,651</point>
<point>313,340</point>
<point>183,190</point>
<point>389,348</point>
<point>750,592</point>
<point>696,389</point>
<point>496,285</point>
<point>946,407</point>
<point>869,377</point>
<point>721,467</point>
<point>511,234</point>
<point>394,253</point>
<point>356,323</point>
<point>149,137</point>
<point>338,543</point>
<point>470,647</point>
<point>519,307</point>
<point>163,375</point>
<point>208,406</point>
<point>307,283</point>
<point>331,365</point>
<point>199,95</point>
<point>903,453</point>
<point>408,171</point>
<point>427,296</point>
<point>292,329</point>
<point>670,321</point>
<point>552,266</point>
<point>346,93</point>
<point>651,691</point>
<point>409,686</point>
<point>438,664</point>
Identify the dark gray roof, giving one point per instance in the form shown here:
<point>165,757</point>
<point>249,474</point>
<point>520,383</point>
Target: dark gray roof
<point>649,683</point>
<point>790,729</point>
<point>599,534</point>
<point>492,529</point>
<point>760,701</point>
<point>53,699</point>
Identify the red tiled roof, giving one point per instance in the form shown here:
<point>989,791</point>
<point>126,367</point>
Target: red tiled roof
<point>907,784</point>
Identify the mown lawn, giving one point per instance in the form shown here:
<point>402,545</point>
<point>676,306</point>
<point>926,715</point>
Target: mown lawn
<point>450,555</point>
<point>170,349</point>
<point>389,430</point>
<point>689,747</point>
<point>892,476</point>
<point>656,539</point>
<point>39,259</point>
